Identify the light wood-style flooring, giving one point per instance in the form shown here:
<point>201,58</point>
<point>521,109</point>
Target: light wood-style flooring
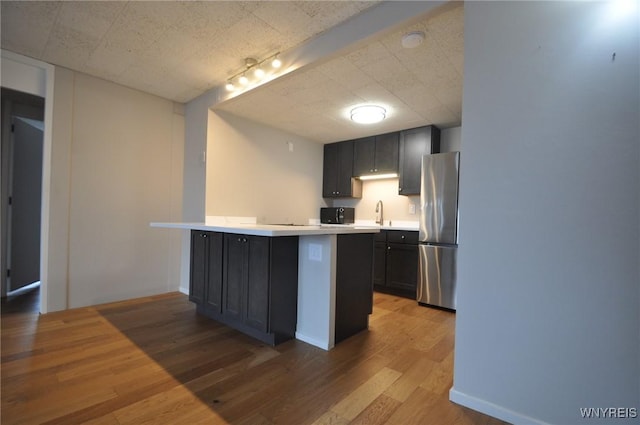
<point>154,361</point>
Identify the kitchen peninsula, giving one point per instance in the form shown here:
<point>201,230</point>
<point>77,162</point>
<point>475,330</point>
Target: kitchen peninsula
<point>277,282</point>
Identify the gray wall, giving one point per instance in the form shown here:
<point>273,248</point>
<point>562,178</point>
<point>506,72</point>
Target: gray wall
<point>548,315</point>
<point>451,139</point>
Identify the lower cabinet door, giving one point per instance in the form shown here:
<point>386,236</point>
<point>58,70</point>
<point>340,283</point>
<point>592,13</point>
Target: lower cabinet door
<point>245,289</point>
<point>402,267</point>
<point>234,276</point>
<point>380,264</point>
<point>256,312</point>
<point>213,292</point>
<point>198,276</point>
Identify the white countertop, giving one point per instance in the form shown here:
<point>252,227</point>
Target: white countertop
<point>391,224</point>
<point>272,229</point>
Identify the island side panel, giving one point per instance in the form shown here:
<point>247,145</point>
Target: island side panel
<point>354,284</point>
<point>284,287</point>
<point>316,290</point>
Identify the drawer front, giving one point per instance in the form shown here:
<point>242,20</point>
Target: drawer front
<point>402,236</point>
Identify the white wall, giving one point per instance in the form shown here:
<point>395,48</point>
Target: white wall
<point>116,166</point>
<point>124,165</point>
<point>252,172</point>
<point>113,162</point>
<point>548,317</point>
<point>58,280</point>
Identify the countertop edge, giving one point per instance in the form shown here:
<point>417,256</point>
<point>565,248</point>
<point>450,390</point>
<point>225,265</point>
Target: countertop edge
<point>269,230</point>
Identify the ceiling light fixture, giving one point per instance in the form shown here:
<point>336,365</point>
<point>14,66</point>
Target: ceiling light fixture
<point>412,39</point>
<point>259,72</point>
<point>368,114</point>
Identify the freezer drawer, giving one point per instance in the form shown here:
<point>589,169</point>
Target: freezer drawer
<point>437,275</point>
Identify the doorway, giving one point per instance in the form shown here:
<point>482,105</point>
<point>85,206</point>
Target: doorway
<point>22,156</point>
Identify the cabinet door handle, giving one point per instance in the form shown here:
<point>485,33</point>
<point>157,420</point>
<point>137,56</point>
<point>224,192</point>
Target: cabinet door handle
<point>204,235</point>
<point>402,236</point>
<point>244,240</point>
<point>388,248</point>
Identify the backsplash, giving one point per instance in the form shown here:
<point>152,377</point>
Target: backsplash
<point>395,207</point>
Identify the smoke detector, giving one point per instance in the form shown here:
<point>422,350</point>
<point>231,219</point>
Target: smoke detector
<point>412,39</point>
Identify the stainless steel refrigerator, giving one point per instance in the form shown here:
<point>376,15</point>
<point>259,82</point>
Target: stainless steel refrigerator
<point>438,237</point>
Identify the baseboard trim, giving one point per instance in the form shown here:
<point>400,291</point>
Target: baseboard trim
<point>315,342</point>
<point>491,409</point>
<point>184,290</point>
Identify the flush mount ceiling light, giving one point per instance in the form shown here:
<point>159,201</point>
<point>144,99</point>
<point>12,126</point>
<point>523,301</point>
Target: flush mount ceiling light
<point>368,114</point>
<point>412,39</point>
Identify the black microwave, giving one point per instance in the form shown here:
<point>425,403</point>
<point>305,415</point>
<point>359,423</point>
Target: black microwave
<point>337,215</point>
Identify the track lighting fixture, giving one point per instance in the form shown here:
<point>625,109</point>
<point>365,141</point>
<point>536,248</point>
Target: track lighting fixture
<point>259,71</point>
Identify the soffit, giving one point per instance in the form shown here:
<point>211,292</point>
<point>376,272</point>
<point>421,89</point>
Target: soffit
<point>176,50</point>
<point>419,86</point>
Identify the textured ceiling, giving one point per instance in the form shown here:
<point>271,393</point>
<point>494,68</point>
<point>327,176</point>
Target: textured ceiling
<point>176,50</point>
<point>418,86</point>
<point>179,50</point>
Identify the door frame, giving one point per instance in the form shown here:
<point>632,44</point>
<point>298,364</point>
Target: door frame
<point>32,76</point>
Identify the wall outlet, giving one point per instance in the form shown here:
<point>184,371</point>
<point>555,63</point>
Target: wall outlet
<point>290,145</point>
<point>315,252</point>
<point>412,209</point>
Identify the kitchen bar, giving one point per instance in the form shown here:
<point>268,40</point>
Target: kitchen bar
<point>334,292</point>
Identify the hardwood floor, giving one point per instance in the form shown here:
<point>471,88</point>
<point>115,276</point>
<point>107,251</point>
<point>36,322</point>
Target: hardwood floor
<point>154,361</point>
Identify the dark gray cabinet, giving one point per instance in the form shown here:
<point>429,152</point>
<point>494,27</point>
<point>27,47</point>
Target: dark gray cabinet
<point>380,259</point>
<point>337,173</point>
<point>205,283</point>
<point>376,154</point>
<point>415,143</point>
<point>354,277</point>
<point>247,282</point>
<point>396,263</point>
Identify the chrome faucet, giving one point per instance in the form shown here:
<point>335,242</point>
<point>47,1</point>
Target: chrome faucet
<point>379,219</point>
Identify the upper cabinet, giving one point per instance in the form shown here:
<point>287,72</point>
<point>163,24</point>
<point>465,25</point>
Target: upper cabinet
<point>397,152</point>
<point>376,154</point>
<point>414,144</point>
<point>337,174</point>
